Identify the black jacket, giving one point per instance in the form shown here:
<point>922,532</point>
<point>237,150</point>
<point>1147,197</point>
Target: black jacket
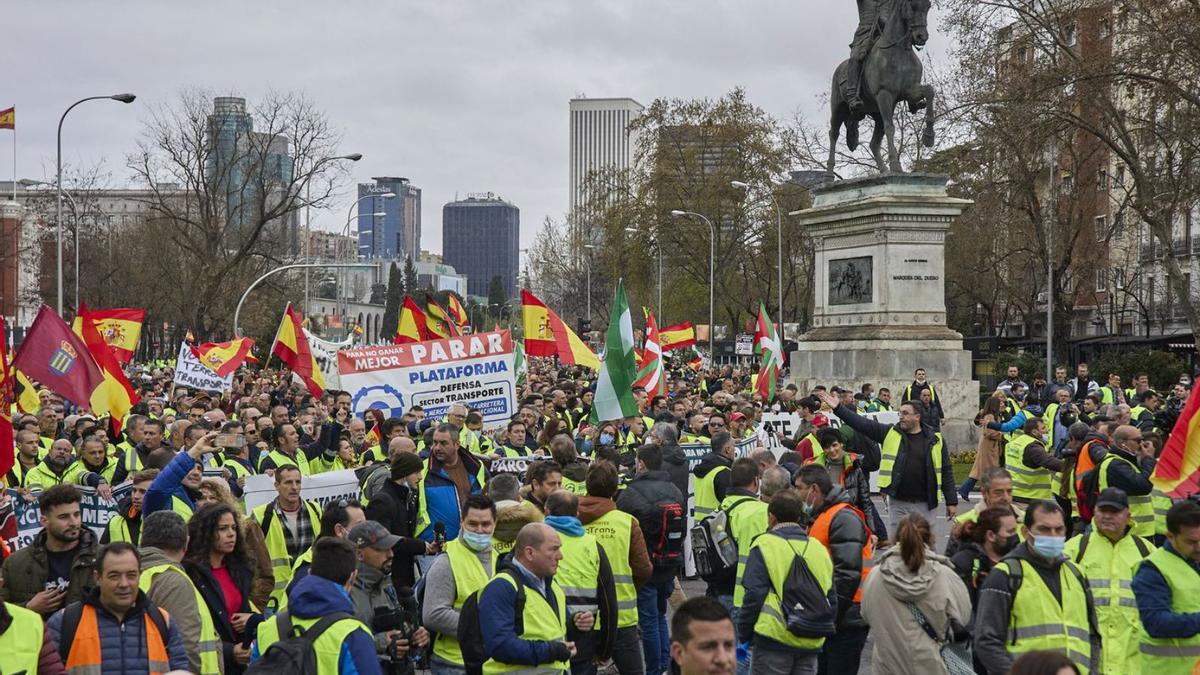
<point>857,488</point>
<point>908,443</point>
<point>710,462</point>
<point>395,507</point>
<point>638,498</point>
<point>972,565</point>
<point>1135,483</point>
<point>675,463</point>
<point>847,536</point>
<point>201,575</point>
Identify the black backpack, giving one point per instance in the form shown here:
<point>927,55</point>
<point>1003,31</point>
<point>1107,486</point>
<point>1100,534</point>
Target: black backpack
<point>293,652</point>
<point>806,608</point>
<point>470,632</point>
<point>664,529</point>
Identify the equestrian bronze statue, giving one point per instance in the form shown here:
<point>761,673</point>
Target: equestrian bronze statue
<point>883,71</point>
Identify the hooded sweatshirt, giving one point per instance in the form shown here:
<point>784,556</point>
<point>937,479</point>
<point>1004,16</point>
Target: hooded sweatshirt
<point>901,645</point>
<point>592,508</point>
<point>313,597</point>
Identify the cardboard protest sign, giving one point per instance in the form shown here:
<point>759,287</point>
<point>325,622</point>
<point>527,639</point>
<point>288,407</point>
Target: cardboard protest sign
<point>191,372</point>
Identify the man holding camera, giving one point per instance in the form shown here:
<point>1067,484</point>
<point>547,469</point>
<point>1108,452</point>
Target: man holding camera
<point>394,622</point>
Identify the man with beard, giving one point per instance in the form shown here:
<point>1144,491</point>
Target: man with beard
<point>136,458</point>
<point>52,470</point>
<point>373,590</point>
<point>56,567</point>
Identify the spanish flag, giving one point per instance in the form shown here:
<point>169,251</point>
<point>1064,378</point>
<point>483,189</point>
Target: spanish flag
<point>677,337</point>
<point>120,328</point>
<point>224,358</point>
<point>28,401</point>
<point>412,326</point>
<point>1177,474</point>
<point>457,312</point>
<point>114,396</point>
<point>439,321</point>
<point>8,120</point>
<point>547,335</point>
<point>292,348</point>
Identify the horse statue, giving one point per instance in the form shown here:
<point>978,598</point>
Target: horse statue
<point>891,73</point>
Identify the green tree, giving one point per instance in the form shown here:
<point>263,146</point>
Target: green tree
<point>410,277</point>
<point>496,295</point>
<point>395,296</point>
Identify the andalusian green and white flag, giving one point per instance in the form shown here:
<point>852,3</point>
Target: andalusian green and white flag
<point>519,360</point>
<point>614,393</point>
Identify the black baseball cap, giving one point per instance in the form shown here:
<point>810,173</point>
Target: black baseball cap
<point>1113,498</point>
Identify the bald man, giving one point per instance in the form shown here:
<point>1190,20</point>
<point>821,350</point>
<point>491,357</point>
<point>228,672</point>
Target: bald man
<point>534,561</point>
<point>1128,465</point>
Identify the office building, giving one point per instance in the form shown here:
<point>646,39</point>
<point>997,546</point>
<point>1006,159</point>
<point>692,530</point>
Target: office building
<point>599,139</point>
<point>481,238</point>
<point>396,234</point>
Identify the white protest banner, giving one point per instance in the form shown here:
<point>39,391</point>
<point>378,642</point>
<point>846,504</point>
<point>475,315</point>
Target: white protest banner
<point>19,518</point>
<point>321,488</point>
<point>190,372</point>
<point>772,423</point>
<point>475,370</point>
<point>325,352</point>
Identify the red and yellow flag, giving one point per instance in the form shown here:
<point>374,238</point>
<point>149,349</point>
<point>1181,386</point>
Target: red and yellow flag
<point>26,393</point>
<point>292,348</point>
<point>412,325</point>
<point>121,328</point>
<point>677,337</point>
<point>8,448</point>
<point>1177,473</point>
<point>438,319</point>
<point>8,120</point>
<point>114,396</point>
<point>547,335</point>
<point>457,312</point>
<point>224,358</point>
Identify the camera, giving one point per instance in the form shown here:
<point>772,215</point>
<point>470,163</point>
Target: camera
<point>405,619</point>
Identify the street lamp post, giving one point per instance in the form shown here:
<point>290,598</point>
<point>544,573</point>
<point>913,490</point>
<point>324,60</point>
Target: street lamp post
<point>123,98</point>
<point>712,265</point>
<point>779,254</point>
<point>353,157</point>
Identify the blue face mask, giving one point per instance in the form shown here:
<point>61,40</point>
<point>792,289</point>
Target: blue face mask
<point>476,542</point>
<point>606,439</point>
<point>1048,547</point>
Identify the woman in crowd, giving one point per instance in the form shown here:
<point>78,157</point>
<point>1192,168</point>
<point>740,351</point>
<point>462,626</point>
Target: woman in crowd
<point>987,453</point>
<point>983,543</point>
<point>216,562</point>
<point>910,580</point>
<point>215,490</point>
<point>554,427</point>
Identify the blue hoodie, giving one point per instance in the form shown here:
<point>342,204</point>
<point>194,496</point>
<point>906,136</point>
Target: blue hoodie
<point>314,597</point>
<point>169,483</point>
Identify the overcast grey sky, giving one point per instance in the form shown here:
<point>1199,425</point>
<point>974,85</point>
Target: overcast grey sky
<point>458,95</point>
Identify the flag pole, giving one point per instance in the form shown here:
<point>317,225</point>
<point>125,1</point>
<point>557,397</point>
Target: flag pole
<point>14,184</point>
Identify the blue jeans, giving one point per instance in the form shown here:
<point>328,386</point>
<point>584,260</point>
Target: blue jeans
<point>652,619</point>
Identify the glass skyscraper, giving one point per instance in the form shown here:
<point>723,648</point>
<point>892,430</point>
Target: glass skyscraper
<point>481,238</point>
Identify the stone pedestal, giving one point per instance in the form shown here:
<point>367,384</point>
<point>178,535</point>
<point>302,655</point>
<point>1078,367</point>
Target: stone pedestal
<point>880,303</point>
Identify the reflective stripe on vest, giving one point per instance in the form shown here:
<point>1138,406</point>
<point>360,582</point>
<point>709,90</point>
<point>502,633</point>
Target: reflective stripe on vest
<point>778,554</point>
<point>280,459</point>
<point>613,530</point>
<point>21,643</point>
<point>1109,569</point>
<point>1028,482</point>
<point>746,522</point>
<point>891,448</point>
<point>1141,508</point>
<point>469,576</point>
<point>820,532</point>
<point>1161,503</point>
<point>86,656</point>
<point>1038,622</point>
<point>579,573</point>
<point>327,647</point>
<point>209,646</point>
<point>705,501</point>
<point>1173,655</point>
<point>542,623</point>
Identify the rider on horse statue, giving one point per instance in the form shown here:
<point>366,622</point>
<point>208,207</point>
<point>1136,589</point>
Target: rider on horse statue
<point>864,39</point>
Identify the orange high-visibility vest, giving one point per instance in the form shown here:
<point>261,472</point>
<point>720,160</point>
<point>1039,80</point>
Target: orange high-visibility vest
<point>820,532</point>
<point>85,656</point>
